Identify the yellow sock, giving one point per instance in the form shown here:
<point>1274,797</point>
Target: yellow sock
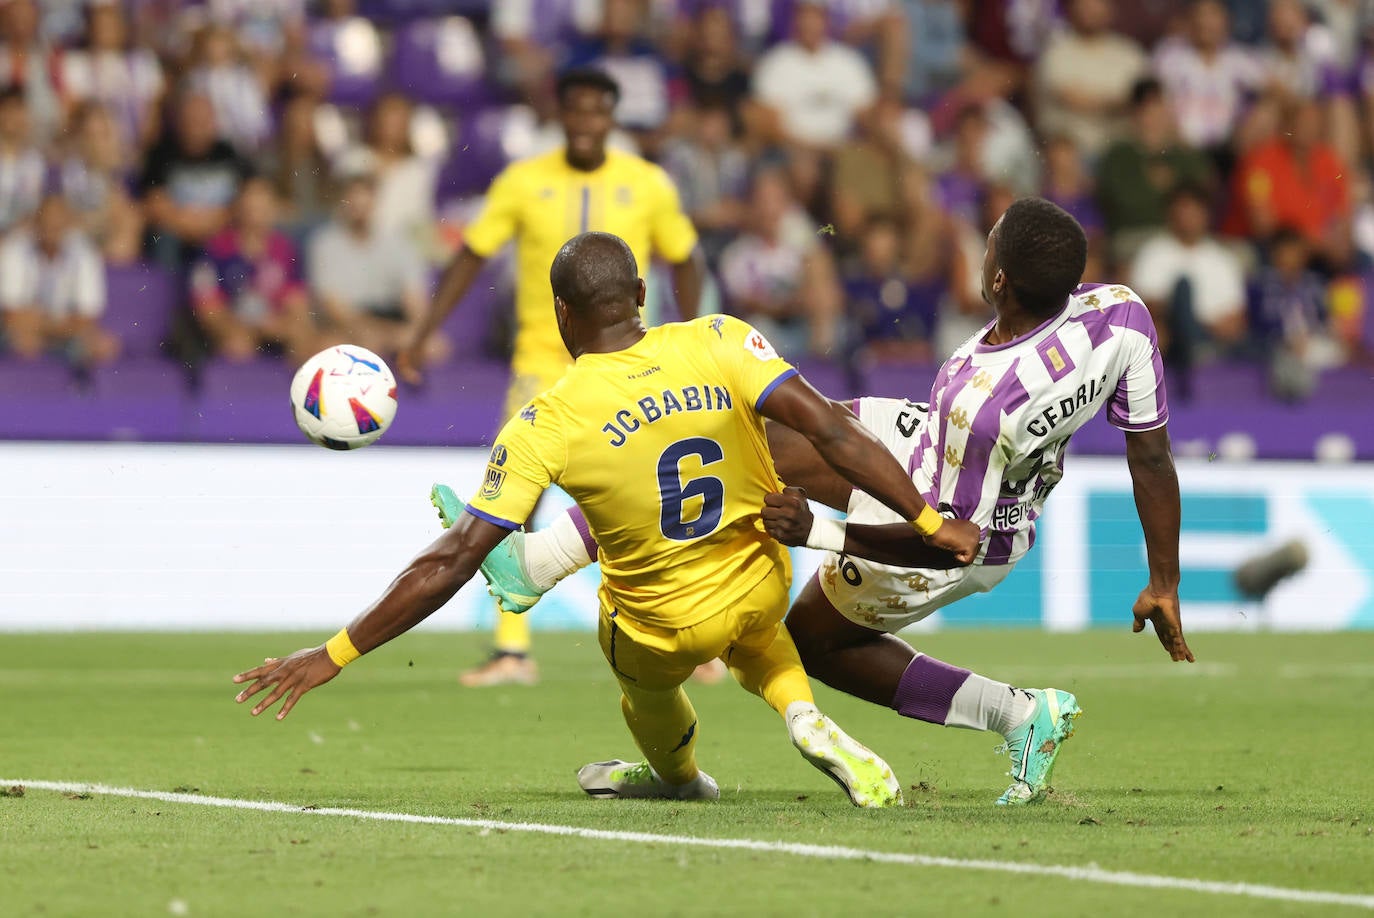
<point>664,725</point>
<point>774,673</point>
<point>512,633</point>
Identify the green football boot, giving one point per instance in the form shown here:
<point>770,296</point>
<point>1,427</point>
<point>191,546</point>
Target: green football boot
<point>504,567</point>
<point>1034,746</point>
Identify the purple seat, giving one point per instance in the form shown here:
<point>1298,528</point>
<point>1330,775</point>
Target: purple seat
<point>461,404</point>
<point>439,61</point>
<point>244,403</point>
<point>1351,385</point>
<point>141,301</point>
<point>477,157</point>
<point>21,379</point>
<point>832,380</point>
<point>393,11</point>
<point>471,325</point>
<point>351,49</point>
<point>896,380</point>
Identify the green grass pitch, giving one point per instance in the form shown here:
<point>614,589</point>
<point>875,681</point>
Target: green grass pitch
<point>1252,767</point>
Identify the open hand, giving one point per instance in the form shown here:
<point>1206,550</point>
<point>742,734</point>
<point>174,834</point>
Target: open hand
<point>958,537</point>
<point>787,516</point>
<point>1161,610</point>
<point>289,678</point>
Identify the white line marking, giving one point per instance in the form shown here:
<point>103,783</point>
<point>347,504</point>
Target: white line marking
<point>1089,874</point>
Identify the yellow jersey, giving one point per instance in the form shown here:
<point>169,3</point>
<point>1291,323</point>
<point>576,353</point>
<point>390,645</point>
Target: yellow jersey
<point>663,447</point>
<point>543,202</point>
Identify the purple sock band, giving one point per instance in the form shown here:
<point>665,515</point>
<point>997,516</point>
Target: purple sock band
<point>927,688</point>
<point>585,531</point>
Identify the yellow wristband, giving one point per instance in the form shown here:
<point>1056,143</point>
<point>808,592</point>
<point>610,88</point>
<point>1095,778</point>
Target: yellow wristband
<point>340,649</point>
<point>928,521</point>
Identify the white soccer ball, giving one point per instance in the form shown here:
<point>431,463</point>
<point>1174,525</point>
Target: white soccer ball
<point>344,397</point>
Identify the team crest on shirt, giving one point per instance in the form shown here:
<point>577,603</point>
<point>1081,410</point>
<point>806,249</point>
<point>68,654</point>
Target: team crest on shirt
<point>545,194</point>
<point>624,195</point>
<point>758,345</point>
<point>495,478</point>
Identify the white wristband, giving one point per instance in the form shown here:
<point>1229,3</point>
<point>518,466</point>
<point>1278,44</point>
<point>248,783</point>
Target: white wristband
<point>826,534</point>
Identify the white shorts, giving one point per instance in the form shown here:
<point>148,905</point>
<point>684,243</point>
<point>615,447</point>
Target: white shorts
<point>880,596</point>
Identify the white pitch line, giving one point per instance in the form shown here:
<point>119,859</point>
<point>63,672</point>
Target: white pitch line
<point>1090,874</point>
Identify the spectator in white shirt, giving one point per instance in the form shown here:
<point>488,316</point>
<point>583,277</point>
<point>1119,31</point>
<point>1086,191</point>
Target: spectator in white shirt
<point>777,275</point>
<point>234,89</point>
<point>371,284</point>
<point>52,290</point>
<point>1206,76</point>
<point>815,87</point>
<point>1083,80</point>
<point>1192,284</point>
<point>128,81</point>
<point>405,181</point>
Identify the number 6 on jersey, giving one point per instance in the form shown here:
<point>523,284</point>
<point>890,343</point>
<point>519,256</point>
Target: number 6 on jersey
<point>674,492</point>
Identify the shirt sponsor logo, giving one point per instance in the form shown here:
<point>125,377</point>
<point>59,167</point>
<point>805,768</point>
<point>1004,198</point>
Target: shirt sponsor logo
<point>758,345</point>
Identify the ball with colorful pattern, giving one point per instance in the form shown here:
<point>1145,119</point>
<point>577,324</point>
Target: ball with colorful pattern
<point>344,397</point>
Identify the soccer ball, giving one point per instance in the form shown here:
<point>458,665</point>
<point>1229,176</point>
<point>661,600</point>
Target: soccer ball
<point>344,397</point>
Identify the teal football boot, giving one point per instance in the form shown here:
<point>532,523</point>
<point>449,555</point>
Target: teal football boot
<point>1034,746</point>
<point>504,567</point>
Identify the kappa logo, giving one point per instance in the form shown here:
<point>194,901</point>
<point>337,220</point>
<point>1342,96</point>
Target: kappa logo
<point>528,413</point>
<point>959,418</point>
<point>716,324</point>
<point>953,459</point>
<point>982,380</point>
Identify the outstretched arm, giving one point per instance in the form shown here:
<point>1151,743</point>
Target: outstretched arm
<point>687,282</point>
<point>852,450</point>
<point>1155,482</point>
<point>422,588</point>
<point>788,518</point>
<point>453,286</point>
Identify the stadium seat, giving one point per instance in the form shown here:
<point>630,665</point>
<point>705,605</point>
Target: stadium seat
<point>141,300</point>
<point>461,404</point>
<point>831,379</point>
<point>148,399</point>
<point>244,403</point>
<point>477,155</point>
<point>439,61</point>
<point>896,380</point>
<point>352,52</point>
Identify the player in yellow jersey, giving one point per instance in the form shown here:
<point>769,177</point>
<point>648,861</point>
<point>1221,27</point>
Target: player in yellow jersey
<point>658,434</point>
<point>542,202</point>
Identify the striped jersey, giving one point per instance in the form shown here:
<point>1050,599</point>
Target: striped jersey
<point>1001,416</point>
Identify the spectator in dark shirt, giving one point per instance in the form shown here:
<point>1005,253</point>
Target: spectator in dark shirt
<point>189,181</point>
<point>1137,173</point>
<point>247,289</point>
<point>895,314</point>
<point>715,71</point>
<point>1288,316</point>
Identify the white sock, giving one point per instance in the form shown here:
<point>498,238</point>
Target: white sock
<point>555,552</point>
<point>983,704</point>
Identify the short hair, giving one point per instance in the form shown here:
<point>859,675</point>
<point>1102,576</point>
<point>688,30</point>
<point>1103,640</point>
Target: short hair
<point>12,94</point>
<point>594,270</point>
<point>1287,234</point>
<point>1144,91</point>
<point>1190,191</point>
<point>586,78</point>
<point>1043,251</point>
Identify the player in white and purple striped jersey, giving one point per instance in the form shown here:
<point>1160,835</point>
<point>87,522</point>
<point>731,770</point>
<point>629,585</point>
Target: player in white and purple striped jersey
<point>989,448</point>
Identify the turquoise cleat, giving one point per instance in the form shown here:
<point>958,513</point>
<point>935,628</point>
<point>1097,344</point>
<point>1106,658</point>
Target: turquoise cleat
<point>504,567</point>
<point>1034,746</point>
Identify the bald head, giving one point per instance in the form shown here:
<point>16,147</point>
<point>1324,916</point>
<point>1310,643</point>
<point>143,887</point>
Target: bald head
<point>595,273</point>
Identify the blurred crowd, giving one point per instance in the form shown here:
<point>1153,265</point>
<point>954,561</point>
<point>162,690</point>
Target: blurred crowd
<point>302,168</point>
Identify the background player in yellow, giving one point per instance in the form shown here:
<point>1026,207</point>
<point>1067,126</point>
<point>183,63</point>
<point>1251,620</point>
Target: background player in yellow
<point>658,434</point>
<point>540,203</point>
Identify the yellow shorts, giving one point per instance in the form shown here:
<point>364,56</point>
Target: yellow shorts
<point>658,659</point>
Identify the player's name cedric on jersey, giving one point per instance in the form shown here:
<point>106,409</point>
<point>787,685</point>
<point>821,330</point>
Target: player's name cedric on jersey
<point>651,408</point>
